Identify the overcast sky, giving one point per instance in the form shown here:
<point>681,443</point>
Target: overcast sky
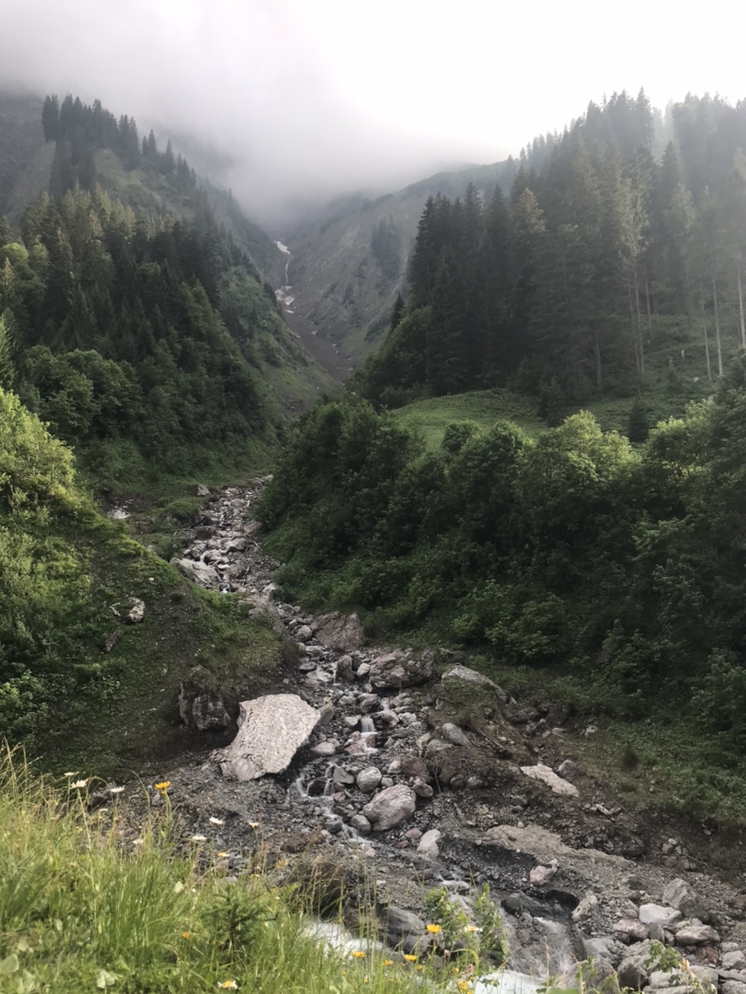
<point>316,97</point>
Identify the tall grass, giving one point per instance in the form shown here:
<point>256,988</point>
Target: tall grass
<point>82,908</point>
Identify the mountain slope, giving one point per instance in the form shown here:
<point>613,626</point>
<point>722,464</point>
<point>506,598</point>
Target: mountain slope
<point>349,261</point>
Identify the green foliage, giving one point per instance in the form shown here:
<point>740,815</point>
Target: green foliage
<point>120,339</point>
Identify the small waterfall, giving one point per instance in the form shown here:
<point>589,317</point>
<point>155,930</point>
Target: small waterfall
<point>366,724</point>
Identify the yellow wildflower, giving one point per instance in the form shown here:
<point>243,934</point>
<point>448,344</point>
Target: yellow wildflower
<point>222,855</point>
<point>420,966</point>
<point>434,929</point>
<point>387,962</point>
<point>163,785</point>
<point>358,953</point>
<point>185,935</point>
<point>410,957</point>
<point>230,985</point>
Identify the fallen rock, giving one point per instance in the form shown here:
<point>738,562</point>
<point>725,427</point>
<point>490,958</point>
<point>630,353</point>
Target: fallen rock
<point>547,775</point>
<point>734,960</point>
<point>304,634</point>
<point>460,672</point>
<point>680,895</point>
<point>656,914</point>
<point>694,933</point>
<point>634,971</point>
<point>403,928</point>
<point>630,930</point>
<point>326,748</point>
<point>567,769</point>
<point>391,807</point>
<point>428,844</point>
<point>368,779</point>
<point>398,669</point>
<point>341,632</point>
<point>586,907</point>
<point>271,730</point>
<point>422,789</point>
<point>453,734</point>
<point>540,876</point>
<point>197,572</point>
<point>361,824</point>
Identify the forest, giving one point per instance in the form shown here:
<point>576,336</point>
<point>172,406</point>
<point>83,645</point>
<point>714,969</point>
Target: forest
<point>133,336</point>
<point>597,254</point>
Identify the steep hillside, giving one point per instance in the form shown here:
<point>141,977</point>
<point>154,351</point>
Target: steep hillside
<point>149,340</point>
<point>25,158</point>
<point>349,261</point>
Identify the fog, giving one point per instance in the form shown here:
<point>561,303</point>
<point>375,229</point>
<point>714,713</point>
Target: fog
<point>299,99</point>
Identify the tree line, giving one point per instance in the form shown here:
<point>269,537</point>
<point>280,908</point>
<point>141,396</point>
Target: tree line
<point>598,253</point>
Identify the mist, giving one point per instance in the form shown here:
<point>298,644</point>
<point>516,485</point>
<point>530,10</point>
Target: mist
<point>288,102</point>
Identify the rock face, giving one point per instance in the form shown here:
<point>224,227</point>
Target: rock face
<point>341,632</point>
<point>271,730</point>
<point>391,807</point>
<point>399,669</point>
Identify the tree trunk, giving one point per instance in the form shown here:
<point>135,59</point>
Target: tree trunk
<point>639,326</point>
<point>647,301</point>
<point>634,329</point>
<point>717,327</point>
<point>707,343</point>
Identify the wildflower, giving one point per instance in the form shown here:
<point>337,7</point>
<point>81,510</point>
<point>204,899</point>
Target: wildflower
<point>420,966</point>
<point>473,928</point>
<point>434,929</point>
<point>358,953</point>
<point>410,957</point>
<point>138,842</point>
<point>230,985</point>
<point>470,968</point>
<point>116,790</point>
<point>198,838</point>
<point>70,774</point>
<point>178,887</point>
<point>217,821</point>
<point>253,824</point>
<point>185,935</point>
<point>281,862</point>
<point>464,985</point>
<point>79,784</point>
<point>222,855</point>
<point>387,962</point>
<point>163,786</point>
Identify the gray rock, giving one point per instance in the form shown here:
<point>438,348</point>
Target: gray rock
<point>325,749</point>
<point>540,876</point>
<point>202,491</point>
<point>630,930</point>
<point>704,974</point>
<point>340,632</point>
<point>732,987</point>
<point>696,934</point>
<point>197,572</point>
<point>656,914</point>
<point>633,971</point>
<point>606,947</point>
<point>391,807</point>
<point>304,634</point>
<point>680,895</point>
<point>131,610</point>
<point>734,960</point>
<point>428,844</point>
<point>342,777</point>
<point>422,789</point>
<point>567,769</point>
<point>361,824</point>
<point>205,710</point>
<point>402,927</point>
<point>271,730</point>
<point>344,669</point>
<point>459,672</point>
<point>556,784</point>
<point>333,823</point>
<point>453,734</point>
<point>398,669</point>
<point>326,713</point>
<point>586,907</point>
<point>368,779</point>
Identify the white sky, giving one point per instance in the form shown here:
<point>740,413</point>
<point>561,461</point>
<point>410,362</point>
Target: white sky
<point>322,96</point>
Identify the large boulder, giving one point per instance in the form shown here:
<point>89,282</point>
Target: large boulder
<point>341,632</point>
<point>556,784</point>
<point>391,807</point>
<point>468,675</point>
<point>682,896</point>
<point>271,730</point>
<point>400,669</point>
<point>197,571</point>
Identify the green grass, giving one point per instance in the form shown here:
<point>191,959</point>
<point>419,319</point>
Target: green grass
<point>104,901</point>
<point>431,417</point>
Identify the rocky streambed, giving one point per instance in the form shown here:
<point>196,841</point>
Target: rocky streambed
<point>382,774</point>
